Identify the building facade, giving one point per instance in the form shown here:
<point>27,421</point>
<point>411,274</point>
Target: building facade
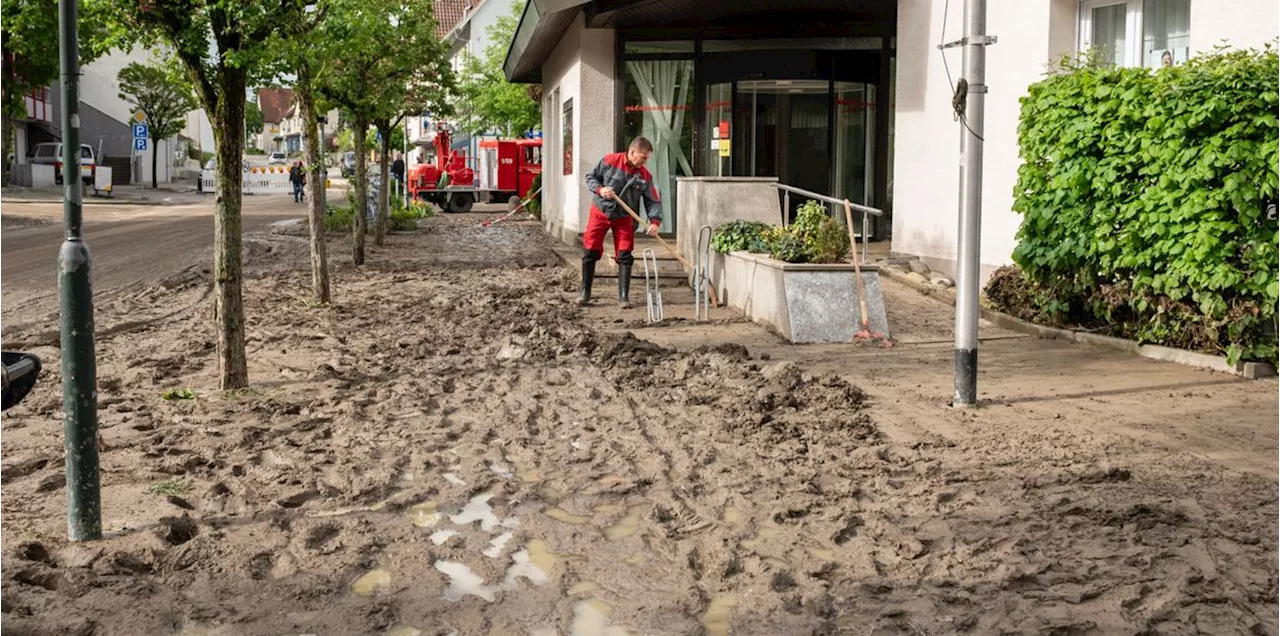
<point>849,98</point>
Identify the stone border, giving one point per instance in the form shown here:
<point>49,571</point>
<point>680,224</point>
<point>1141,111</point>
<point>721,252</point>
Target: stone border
<point>947,295</point>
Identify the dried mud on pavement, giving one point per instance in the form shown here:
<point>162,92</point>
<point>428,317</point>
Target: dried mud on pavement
<point>454,448</point>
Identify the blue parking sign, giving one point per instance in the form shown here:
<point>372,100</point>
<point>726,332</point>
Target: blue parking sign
<point>139,131</point>
<point>140,143</point>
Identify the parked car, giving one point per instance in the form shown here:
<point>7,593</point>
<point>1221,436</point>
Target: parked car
<point>348,166</point>
<point>277,159</point>
<point>50,154</point>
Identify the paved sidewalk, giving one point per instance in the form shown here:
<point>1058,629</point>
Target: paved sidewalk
<point>178,193</point>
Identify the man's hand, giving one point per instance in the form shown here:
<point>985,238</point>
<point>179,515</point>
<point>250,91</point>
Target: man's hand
<point>653,229</point>
<point>605,192</point>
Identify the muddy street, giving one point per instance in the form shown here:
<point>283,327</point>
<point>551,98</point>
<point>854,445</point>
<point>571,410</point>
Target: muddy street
<point>454,447</point>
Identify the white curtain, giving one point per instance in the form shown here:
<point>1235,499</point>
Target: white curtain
<point>664,92</point>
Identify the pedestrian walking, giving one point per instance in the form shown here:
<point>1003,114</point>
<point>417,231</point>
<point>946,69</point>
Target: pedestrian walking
<point>618,175</point>
<point>298,177</point>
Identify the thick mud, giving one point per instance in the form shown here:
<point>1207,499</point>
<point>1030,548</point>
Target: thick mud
<point>453,447</point>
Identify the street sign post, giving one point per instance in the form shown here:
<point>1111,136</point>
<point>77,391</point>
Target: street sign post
<point>141,133</point>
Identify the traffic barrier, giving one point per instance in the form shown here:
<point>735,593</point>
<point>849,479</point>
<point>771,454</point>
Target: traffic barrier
<point>267,180</point>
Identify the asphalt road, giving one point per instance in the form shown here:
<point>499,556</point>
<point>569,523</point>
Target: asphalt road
<point>127,243</point>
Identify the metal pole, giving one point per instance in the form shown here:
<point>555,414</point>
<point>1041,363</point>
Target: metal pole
<point>968,258</point>
<point>79,372</point>
<point>404,158</point>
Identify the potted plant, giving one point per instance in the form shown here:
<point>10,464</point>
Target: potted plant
<point>797,279</point>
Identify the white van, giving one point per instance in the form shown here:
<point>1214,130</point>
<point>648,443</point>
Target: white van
<point>50,154</point>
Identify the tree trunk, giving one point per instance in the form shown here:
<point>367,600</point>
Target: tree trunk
<point>315,187</point>
<point>360,224</point>
<point>384,194</point>
<point>228,246</point>
<point>10,145</point>
<point>155,154</point>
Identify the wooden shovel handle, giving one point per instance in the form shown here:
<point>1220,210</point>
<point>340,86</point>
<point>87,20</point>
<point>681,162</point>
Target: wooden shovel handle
<point>715,302</point>
<point>857,268</point>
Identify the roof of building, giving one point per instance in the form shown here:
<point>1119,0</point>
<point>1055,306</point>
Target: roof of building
<point>275,103</point>
<point>449,13</point>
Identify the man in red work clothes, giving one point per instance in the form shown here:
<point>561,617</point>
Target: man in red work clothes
<point>620,175</point>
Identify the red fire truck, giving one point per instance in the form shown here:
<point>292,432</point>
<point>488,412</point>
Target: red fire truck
<point>507,168</point>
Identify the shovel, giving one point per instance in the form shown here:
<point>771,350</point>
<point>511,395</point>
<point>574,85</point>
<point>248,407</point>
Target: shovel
<point>865,334</point>
<point>715,302</point>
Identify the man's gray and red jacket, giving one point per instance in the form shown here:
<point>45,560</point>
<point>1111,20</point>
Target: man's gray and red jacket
<point>630,183</point>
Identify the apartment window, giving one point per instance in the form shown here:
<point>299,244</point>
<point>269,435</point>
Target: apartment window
<point>1148,33</point>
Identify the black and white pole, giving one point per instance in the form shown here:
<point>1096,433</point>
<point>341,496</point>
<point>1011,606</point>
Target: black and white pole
<point>969,107</point>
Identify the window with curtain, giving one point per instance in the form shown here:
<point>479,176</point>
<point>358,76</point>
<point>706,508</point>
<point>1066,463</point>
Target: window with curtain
<point>659,104</point>
<point>1149,33</point>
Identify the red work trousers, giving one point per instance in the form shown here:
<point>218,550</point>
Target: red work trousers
<point>624,233</point>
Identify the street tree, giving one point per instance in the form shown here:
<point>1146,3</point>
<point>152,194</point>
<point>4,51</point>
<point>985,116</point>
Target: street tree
<point>429,86</point>
<point>377,48</point>
<point>162,92</point>
<point>303,54</point>
<point>253,123</point>
<point>29,44</point>
<point>224,47</point>
<point>489,103</point>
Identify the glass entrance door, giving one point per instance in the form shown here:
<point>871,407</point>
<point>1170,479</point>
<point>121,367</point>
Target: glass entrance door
<point>783,131</point>
<point>854,157</point>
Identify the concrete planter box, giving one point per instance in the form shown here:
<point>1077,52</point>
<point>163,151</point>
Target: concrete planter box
<point>802,302</point>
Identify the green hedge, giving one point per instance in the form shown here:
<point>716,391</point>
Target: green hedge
<point>1143,199</point>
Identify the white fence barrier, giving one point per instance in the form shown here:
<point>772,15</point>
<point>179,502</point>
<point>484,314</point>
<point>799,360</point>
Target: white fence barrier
<point>256,180</point>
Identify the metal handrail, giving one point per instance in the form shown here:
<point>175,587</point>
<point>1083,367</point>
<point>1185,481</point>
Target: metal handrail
<point>864,209</point>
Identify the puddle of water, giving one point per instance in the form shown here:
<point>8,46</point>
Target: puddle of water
<point>584,587</point>
<point>635,559</point>
<point>440,537</point>
<point>524,567</point>
<point>541,556</point>
<point>777,564</point>
<point>550,495</point>
<point>527,474</point>
<point>454,479</point>
<point>560,514</point>
<point>763,536</point>
<point>478,509</point>
<point>716,618</point>
<point>526,564</point>
<point>501,470</point>
<point>497,544</point>
<point>463,582</point>
<point>629,524</point>
<point>403,630</point>
<point>424,515</point>
<point>607,509</point>
<point>591,618</point>
<point>374,581</point>
<point>823,554</point>
<point>733,515</point>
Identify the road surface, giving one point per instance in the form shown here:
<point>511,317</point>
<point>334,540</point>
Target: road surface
<point>128,244</point>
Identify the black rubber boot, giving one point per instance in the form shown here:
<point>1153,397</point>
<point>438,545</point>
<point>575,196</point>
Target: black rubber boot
<point>624,285</point>
<point>588,277</point>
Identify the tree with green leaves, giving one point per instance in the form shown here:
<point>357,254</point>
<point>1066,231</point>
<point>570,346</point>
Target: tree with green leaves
<point>224,48</point>
<point>29,43</point>
<point>384,56</point>
<point>162,93</point>
<point>489,102</point>
<point>253,123</point>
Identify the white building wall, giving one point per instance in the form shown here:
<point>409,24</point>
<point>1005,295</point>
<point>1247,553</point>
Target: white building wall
<point>927,139</point>
<point>579,69</point>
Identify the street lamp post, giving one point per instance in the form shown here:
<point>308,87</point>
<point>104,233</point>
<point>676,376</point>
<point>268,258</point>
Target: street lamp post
<point>75,300</point>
